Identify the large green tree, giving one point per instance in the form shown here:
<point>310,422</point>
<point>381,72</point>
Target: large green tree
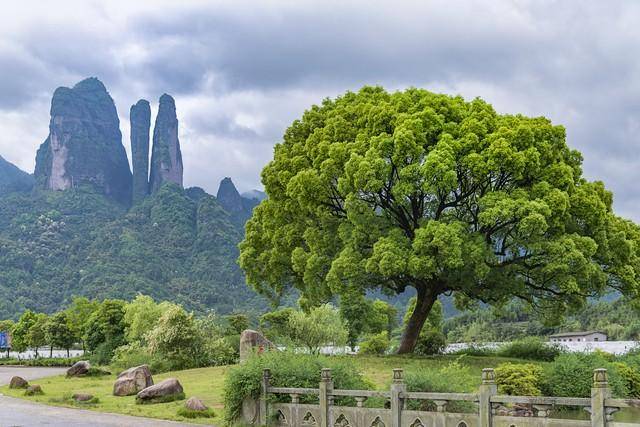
<point>416,189</point>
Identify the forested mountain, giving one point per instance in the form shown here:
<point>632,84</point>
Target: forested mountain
<point>80,231</point>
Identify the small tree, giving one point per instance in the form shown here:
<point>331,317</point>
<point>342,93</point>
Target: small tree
<point>19,338</point>
<point>104,330</point>
<point>140,316</point>
<point>36,336</point>
<point>238,322</point>
<point>58,332</point>
<point>78,313</point>
<point>275,324</point>
<point>319,327</point>
<point>176,338</point>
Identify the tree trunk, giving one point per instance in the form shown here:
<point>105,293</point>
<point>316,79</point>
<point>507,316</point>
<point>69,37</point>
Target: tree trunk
<point>67,353</point>
<point>424,301</point>
<point>51,352</point>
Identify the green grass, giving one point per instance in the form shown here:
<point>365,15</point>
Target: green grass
<point>207,384</point>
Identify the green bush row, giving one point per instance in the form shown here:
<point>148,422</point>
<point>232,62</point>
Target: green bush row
<point>45,362</point>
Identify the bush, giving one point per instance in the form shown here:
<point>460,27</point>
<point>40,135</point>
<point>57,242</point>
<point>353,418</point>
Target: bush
<point>519,379</point>
<point>452,378</point>
<point>430,342</point>
<point>631,377</point>
<point>571,375</point>
<point>47,362</point>
<point>375,344</point>
<point>531,348</point>
<point>287,369</point>
<point>476,350</point>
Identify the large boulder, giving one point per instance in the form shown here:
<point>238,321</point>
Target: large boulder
<point>79,369</point>
<point>253,342</point>
<point>82,397</point>
<point>165,391</point>
<point>132,381</point>
<point>18,382</point>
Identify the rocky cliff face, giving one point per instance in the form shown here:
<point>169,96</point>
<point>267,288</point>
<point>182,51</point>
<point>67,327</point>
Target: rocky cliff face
<point>13,179</point>
<point>140,119</point>
<point>84,146</point>
<point>166,158</point>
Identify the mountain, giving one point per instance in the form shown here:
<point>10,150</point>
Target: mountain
<point>13,179</point>
<point>77,232</point>
<point>84,146</point>
<point>254,194</point>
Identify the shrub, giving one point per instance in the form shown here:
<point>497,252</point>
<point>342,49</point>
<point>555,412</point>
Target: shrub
<point>519,379</point>
<point>375,344</point>
<point>571,375</point>
<point>631,377</point>
<point>47,362</point>
<point>531,348</point>
<point>287,369</point>
<point>452,378</point>
<point>476,350</point>
<point>430,342</point>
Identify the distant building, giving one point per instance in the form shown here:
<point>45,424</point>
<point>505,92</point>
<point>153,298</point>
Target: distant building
<point>587,336</point>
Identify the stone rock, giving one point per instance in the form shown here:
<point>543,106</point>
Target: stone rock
<point>82,397</point>
<point>166,157</point>
<point>195,404</point>
<point>18,382</point>
<point>140,119</point>
<point>33,390</point>
<point>165,391</point>
<point>132,381</point>
<point>253,342</point>
<point>79,369</point>
<point>84,146</point>
<point>13,178</point>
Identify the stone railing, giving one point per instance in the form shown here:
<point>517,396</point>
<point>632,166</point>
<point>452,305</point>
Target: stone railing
<point>485,409</point>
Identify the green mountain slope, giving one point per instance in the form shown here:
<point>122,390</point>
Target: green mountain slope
<point>171,246</point>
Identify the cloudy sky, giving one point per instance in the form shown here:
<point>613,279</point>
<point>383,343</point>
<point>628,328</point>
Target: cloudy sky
<point>241,71</point>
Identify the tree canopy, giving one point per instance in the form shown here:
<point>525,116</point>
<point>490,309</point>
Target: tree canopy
<point>416,189</point>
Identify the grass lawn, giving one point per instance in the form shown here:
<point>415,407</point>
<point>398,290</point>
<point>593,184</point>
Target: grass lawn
<point>207,384</point>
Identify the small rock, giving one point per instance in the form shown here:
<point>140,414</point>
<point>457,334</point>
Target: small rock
<point>33,390</point>
<point>18,382</point>
<point>132,381</point>
<point>82,397</point>
<point>195,404</point>
<point>79,369</point>
<point>165,391</point>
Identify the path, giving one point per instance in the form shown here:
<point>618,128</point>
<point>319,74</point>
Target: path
<point>17,412</point>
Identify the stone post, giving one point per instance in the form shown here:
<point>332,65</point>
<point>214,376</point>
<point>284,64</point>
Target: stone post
<point>397,388</point>
<point>599,392</point>
<point>488,388</point>
<point>263,411</point>
<point>326,390</point>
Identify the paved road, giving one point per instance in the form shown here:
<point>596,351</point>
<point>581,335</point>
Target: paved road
<point>18,412</point>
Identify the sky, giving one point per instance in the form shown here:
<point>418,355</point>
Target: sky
<point>241,71</point>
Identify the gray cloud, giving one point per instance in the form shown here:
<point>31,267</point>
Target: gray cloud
<point>241,71</point>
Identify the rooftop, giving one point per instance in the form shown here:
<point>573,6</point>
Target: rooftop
<point>576,334</point>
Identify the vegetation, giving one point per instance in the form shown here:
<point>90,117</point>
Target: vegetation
<point>375,344</point>
<point>319,327</point>
<point>176,245</point>
<point>413,189</point>
<point>519,379</point>
<point>531,348</point>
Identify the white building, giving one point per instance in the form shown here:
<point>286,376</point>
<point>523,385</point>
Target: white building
<point>587,336</point>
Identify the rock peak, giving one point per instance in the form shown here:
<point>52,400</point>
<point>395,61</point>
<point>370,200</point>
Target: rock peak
<point>166,156</point>
<point>84,146</point>
<point>140,119</point>
<point>228,196</point>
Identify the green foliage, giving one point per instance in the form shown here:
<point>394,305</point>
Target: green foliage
<point>519,379</point>
<point>20,331</point>
<point>631,377</point>
<point>578,367</point>
<point>375,344</point>
<point>58,332</point>
<point>430,342</point>
<point>287,370</point>
<point>452,378</point>
<point>104,330</point>
<point>176,338</point>
<point>320,326</point>
<point>190,413</point>
<point>238,322</point>
<point>531,348</point>
<point>61,244</point>
<point>275,324</point>
<point>42,361</point>
<point>386,191</point>
<point>140,316</point>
